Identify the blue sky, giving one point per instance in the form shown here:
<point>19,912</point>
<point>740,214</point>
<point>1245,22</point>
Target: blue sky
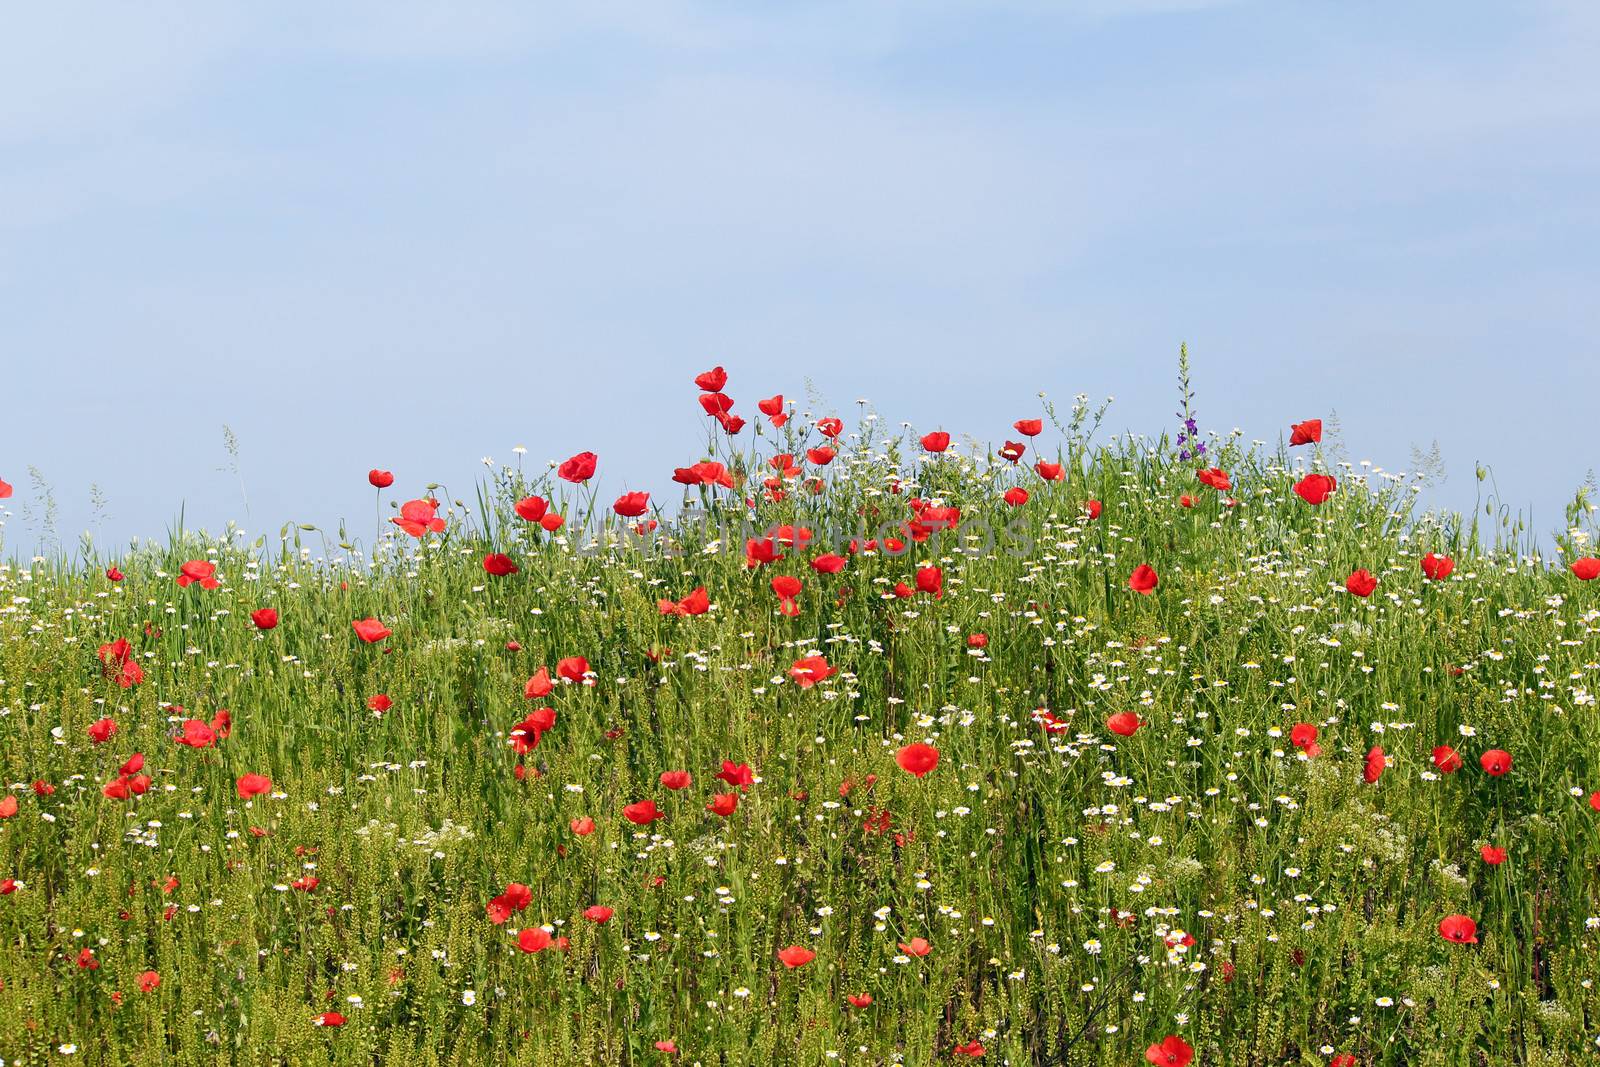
<point>411,237</point>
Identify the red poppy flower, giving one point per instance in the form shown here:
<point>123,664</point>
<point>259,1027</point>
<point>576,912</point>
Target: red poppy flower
<point>917,759</point>
<point>531,939</point>
<point>1015,496</point>
<point>119,663</point>
<point>828,563</point>
<point>1171,1051</point>
<point>1186,501</point>
<point>598,913</point>
<point>632,505</point>
<point>1305,433</point>
<point>499,564</point>
<point>809,670</point>
<point>1447,760</point>
<point>539,686</point>
<point>820,457</point>
<point>1143,579</point>
<point>1050,472</point>
<point>531,508</point>
<point>8,806</point>
<point>1093,509</point>
<point>792,536</point>
<point>1216,478</point>
<point>573,669</point>
<point>937,441</point>
<point>370,630</point>
<point>917,946</point>
<point>738,774</point>
<point>380,479</point>
<point>723,804</point>
<point>196,734</point>
<point>1013,451</point>
<point>712,380</point>
<point>126,785</point>
<point>787,587</point>
<point>1458,928</point>
<point>100,730</point>
<point>113,575</point>
<point>380,703</point>
<point>772,408</point>
<point>760,550</point>
<point>716,404</point>
<point>1492,856</point>
<point>977,640</point>
<point>1315,488</point>
<point>1029,427</point>
<point>929,518</point>
<point>578,469</point>
<point>1496,761</point>
<point>1437,568</point>
<point>5,489</point>
<point>643,813</point>
<point>1361,583</point>
<point>264,618</point>
<point>551,523</point>
<point>1587,569</point>
<point>696,603</point>
<point>1123,723</point>
<point>251,785</point>
<point>198,570</point>
<point>1373,769</point>
<point>795,956</point>
<point>666,1046</point>
<point>676,779</point>
<point>516,897</point>
<point>859,1000</point>
<point>830,427</point>
<point>712,473</point>
<point>1304,737</point>
<point>972,1049</point>
<point>418,517</point>
<point>525,735</point>
<point>583,827</point>
<point>148,981</point>
<point>328,1018</point>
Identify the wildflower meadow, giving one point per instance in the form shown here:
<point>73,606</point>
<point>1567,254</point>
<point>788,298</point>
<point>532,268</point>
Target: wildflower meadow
<point>1018,744</point>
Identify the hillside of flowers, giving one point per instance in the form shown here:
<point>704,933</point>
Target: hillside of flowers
<point>1020,744</point>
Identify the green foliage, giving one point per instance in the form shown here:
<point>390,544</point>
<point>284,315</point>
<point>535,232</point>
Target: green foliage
<point>1059,875</point>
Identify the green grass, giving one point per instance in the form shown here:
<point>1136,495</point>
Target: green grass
<point>1050,872</point>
